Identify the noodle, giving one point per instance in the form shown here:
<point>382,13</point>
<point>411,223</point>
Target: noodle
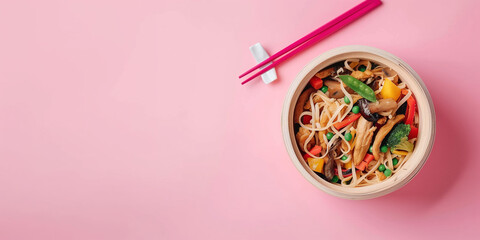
<point>326,112</point>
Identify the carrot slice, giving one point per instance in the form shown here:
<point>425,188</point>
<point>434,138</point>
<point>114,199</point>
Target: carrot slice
<point>368,158</point>
<point>316,150</point>
<point>347,121</point>
<point>361,166</point>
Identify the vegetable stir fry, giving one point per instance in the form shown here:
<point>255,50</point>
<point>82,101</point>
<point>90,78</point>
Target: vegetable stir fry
<point>356,123</point>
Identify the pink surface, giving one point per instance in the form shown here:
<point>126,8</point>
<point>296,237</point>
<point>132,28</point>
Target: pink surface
<point>124,120</point>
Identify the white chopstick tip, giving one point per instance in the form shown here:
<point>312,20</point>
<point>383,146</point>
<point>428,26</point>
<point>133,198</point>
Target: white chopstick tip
<point>260,55</point>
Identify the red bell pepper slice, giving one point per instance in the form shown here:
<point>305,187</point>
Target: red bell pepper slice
<point>413,132</point>
<point>410,117</point>
<point>306,119</point>
<point>410,114</point>
<point>316,82</point>
<point>346,121</point>
<point>345,172</point>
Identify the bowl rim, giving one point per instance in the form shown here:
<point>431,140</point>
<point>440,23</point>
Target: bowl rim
<point>308,68</point>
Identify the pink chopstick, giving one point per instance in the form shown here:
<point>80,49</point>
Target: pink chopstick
<point>310,35</point>
<point>314,37</point>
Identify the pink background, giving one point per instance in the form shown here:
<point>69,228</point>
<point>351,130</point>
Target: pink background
<point>125,120</point>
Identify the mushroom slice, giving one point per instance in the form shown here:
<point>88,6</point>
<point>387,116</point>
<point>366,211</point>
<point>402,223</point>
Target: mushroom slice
<point>325,73</point>
<point>335,90</point>
<point>330,166</point>
<point>382,105</point>
<point>390,73</point>
<point>300,103</point>
<point>364,105</point>
<point>383,132</point>
<point>386,72</point>
<point>364,138</point>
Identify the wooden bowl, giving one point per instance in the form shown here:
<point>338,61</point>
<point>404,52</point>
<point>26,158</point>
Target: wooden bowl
<point>426,113</point>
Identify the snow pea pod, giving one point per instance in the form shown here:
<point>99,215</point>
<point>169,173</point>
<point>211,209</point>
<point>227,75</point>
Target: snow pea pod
<point>358,86</point>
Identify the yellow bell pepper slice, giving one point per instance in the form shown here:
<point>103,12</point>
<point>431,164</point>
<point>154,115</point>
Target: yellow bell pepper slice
<point>316,164</point>
<point>390,90</point>
<point>348,165</point>
<point>398,152</point>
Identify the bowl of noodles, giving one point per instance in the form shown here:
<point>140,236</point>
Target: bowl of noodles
<point>358,122</point>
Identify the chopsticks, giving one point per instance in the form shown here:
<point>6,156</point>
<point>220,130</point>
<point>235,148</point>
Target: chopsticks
<point>313,37</point>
